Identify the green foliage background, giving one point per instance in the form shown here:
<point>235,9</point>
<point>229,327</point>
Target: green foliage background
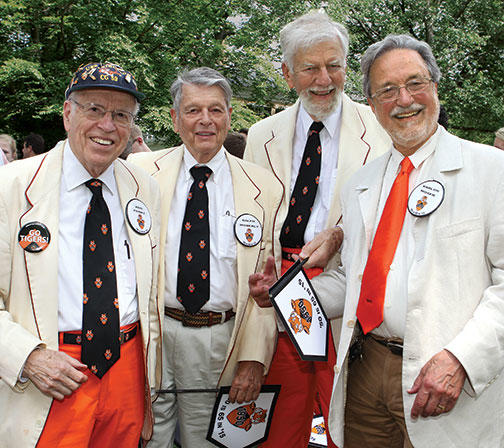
<point>42,42</point>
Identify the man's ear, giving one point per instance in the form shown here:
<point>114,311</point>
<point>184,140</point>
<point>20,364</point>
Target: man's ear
<point>67,109</point>
<point>287,75</point>
<point>173,114</point>
<point>371,105</point>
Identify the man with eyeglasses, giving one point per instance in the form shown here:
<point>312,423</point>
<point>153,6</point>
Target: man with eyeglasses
<point>79,322</point>
<point>421,350</point>
<point>347,135</point>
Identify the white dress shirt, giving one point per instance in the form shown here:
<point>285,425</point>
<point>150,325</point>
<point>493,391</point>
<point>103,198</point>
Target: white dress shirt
<point>221,217</point>
<point>396,292</point>
<point>74,200</point>
<point>329,140</point>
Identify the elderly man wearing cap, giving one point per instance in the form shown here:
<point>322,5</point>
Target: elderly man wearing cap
<point>79,324</point>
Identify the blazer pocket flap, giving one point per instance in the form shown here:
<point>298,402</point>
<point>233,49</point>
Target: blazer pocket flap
<point>460,228</point>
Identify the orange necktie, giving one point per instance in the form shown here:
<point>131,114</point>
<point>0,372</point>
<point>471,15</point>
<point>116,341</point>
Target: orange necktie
<point>374,280</point>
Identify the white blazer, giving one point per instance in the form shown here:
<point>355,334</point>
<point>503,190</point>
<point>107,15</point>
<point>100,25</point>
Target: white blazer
<point>455,290</point>
<point>270,141</point>
<point>30,191</point>
<point>256,192</point>
<point>269,144</point>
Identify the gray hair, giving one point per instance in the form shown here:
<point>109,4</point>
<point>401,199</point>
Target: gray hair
<point>310,29</point>
<point>202,76</point>
<point>393,42</point>
<point>500,133</point>
<point>10,141</point>
<point>75,95</point>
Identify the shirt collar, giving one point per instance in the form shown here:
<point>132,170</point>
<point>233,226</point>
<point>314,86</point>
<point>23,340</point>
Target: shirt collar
<point>75,174</point>
<point>214,164</point>
<point>331,122</point>
<point>421,154</point>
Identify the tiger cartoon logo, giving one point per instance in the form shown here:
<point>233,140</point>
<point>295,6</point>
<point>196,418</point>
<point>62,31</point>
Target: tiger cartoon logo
<point>319,429</point>
<point>140,221</point>
<point>245,416</point>
<point>300,318</point>
<point>421,203</point>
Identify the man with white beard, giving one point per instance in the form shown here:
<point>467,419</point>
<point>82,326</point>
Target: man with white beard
<point>312,148</point>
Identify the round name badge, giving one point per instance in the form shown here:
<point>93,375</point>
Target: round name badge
<point>248,230</point>
<point>426,198</point>
<point>138,216</point>
<point>34,237</point>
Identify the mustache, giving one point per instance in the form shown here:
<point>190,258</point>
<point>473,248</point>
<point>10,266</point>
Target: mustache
<point>398,110</point>
<point>325,89</point>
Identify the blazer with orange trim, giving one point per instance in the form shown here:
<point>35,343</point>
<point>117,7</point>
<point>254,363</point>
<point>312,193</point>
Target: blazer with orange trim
<point>269,144</point>
<point>30,191</point>
<point>258,193</point>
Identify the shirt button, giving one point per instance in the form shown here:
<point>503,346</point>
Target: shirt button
<point>336,369</point>
<point>360,277</point>
<point>351,323</point>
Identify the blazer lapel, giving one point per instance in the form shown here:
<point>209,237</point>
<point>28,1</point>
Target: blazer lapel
<point>353,152</point>
<point>368,193</point>
<point>128,189</point>
<point>279,148</point>
<point>246,200</point>
<point>165,172</point>
<point>43,194</point>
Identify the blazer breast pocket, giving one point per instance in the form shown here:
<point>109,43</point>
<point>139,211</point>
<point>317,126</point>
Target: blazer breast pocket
<point>460,228</point>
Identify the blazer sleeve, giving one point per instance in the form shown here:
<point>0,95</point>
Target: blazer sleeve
<point>258,334</point>
<point>480,345</point>
<point>16,343</point>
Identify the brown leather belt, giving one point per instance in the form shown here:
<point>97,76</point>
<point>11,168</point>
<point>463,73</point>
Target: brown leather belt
<point>201,319</point>
<point>394,345</point>
<point>75,338</point>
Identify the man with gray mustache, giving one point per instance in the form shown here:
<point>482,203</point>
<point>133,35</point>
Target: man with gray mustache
<point>421,287</point>
<point>347,136</point>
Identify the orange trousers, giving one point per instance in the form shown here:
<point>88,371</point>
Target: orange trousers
<point>101,413</point>
<point>306,386</point>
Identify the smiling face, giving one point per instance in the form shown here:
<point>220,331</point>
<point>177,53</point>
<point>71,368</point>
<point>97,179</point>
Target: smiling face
<point>203,120</point>
<point>409,120</point>
<point>97,143</point>
<point>318,76</point>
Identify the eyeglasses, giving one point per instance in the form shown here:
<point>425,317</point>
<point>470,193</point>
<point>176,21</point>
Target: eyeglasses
<point>96,112</point>
<point>391,93</point>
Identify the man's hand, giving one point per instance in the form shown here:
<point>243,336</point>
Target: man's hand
<point>438,385</point>
<point>261,282</point>
<point>322,248</point>
<point>247,381</point>
<point>54,373</point>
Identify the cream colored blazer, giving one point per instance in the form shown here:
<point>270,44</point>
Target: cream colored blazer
<point>455,290</point>
<point>30,191</point>
<point>269,144</point>
<point>258,193</point>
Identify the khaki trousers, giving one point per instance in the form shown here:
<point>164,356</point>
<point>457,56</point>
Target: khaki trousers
<point>374,414</point>
<point>193,358</point>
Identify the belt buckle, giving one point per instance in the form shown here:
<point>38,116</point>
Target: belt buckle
<point>121,337</point>
<point>394,347</point>
<point>185,319</point>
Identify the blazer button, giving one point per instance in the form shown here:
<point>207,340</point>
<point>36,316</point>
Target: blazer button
<point>351,323</point>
